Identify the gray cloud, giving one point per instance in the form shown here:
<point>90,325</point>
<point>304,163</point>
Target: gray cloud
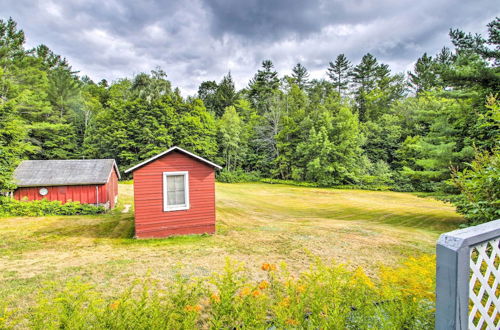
<point>202,40</point>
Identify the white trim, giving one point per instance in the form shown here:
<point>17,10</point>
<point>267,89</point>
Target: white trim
<point>168,151</point>
<point>166,207</point>
<point>114,167</point>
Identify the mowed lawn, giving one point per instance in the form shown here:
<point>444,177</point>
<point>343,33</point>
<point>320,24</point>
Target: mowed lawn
<point>256,223</point>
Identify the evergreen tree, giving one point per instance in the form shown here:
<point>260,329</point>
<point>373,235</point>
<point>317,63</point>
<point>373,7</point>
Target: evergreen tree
<point>292,132</point>
<point>488,49</point>
<point>263,86</point>
<point>423,78</point>
<point>437,142</point>
<point>63,93</point>
<point>300,76</point>
<point>340,72</point>
<point>50,60</point>
<point>365,75</point>
<point>225,95</point>
<point>217,97</point>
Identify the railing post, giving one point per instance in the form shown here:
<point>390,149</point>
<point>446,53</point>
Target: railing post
<point>453,257</point>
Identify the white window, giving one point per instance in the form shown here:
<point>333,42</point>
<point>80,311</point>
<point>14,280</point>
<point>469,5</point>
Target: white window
<point>175,191</point>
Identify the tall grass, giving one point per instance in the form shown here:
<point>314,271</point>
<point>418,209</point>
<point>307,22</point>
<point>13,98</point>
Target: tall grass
<point>324,296</point>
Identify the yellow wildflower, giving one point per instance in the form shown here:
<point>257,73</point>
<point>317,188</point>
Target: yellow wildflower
<point>115,305</point>
<point>292,322</point>
<point>256,293</point>
<point>245,292</point>
<point>268,267</point>
<point>195,308</point>
<point>285,302</point>
<point>215,297</point>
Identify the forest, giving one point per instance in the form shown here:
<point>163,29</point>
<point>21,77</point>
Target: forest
<point>433,129</point>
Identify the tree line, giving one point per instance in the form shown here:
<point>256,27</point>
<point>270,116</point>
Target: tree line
<point>361,125</point>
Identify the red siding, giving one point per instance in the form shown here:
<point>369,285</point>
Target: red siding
<point>150,219</point>
<point>112,189</point>
<point>83,194</point>
<point>86,194</point>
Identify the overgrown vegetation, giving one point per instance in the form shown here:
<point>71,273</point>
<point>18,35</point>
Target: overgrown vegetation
<point>479,185</point>
<point>237,176</point>
<point>362,126</point>
<point>11,207</point>
<point>323,296</point>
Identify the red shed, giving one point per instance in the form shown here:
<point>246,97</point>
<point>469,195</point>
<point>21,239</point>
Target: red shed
<point>174,194</point>
<point>88,181</point>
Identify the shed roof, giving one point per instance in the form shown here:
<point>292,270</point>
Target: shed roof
<point>36,173</point>
<point>175,148</point>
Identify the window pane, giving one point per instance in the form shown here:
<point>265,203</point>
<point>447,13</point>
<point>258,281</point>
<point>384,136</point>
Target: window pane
<point>170,183</point>
<point>176,190</point>
<point>179,197</point>
<point>179,182</point>
<point>171,198</point>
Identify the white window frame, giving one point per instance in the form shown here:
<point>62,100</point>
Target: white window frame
<point>185,206</point>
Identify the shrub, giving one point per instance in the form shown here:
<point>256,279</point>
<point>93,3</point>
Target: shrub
<point>479,186</point>
<point>377,187</point>
<point>290,182</point>
<point>12,207</point>
<point>237,176</point>
<point>322,297</point>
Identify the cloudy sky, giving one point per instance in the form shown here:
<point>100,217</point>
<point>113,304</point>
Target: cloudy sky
<point>202,40</point>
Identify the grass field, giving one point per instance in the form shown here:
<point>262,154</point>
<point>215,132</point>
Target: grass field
<point>255,223</point>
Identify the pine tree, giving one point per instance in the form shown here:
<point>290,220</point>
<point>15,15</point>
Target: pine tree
<point>263,86</point>
<point>423,78</point>
<point>364,75</point>
<point>49,59</point>
<point>225,95</point>
<point>63,92</point>
<point>291,133</point>
<point>300,76</point>
<point>340,72</point>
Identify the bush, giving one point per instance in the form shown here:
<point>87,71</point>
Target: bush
<point>12,207</point>
<point>290,182</point>
<point>322,297</point>
<point>237,176</point>
<point>377,187</point>
<point>479,186</point>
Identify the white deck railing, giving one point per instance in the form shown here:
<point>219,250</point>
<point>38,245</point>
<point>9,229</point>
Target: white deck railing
<point>468,278</point>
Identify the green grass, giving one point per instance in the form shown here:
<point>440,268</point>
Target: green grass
<point>256,222</point>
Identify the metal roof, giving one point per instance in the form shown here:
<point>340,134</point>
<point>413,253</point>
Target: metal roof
<point>37,173</point>
<point>175,148</point>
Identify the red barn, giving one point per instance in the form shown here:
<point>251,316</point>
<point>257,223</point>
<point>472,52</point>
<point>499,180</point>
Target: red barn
<point>88,181</point>
<point>174,194</point>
